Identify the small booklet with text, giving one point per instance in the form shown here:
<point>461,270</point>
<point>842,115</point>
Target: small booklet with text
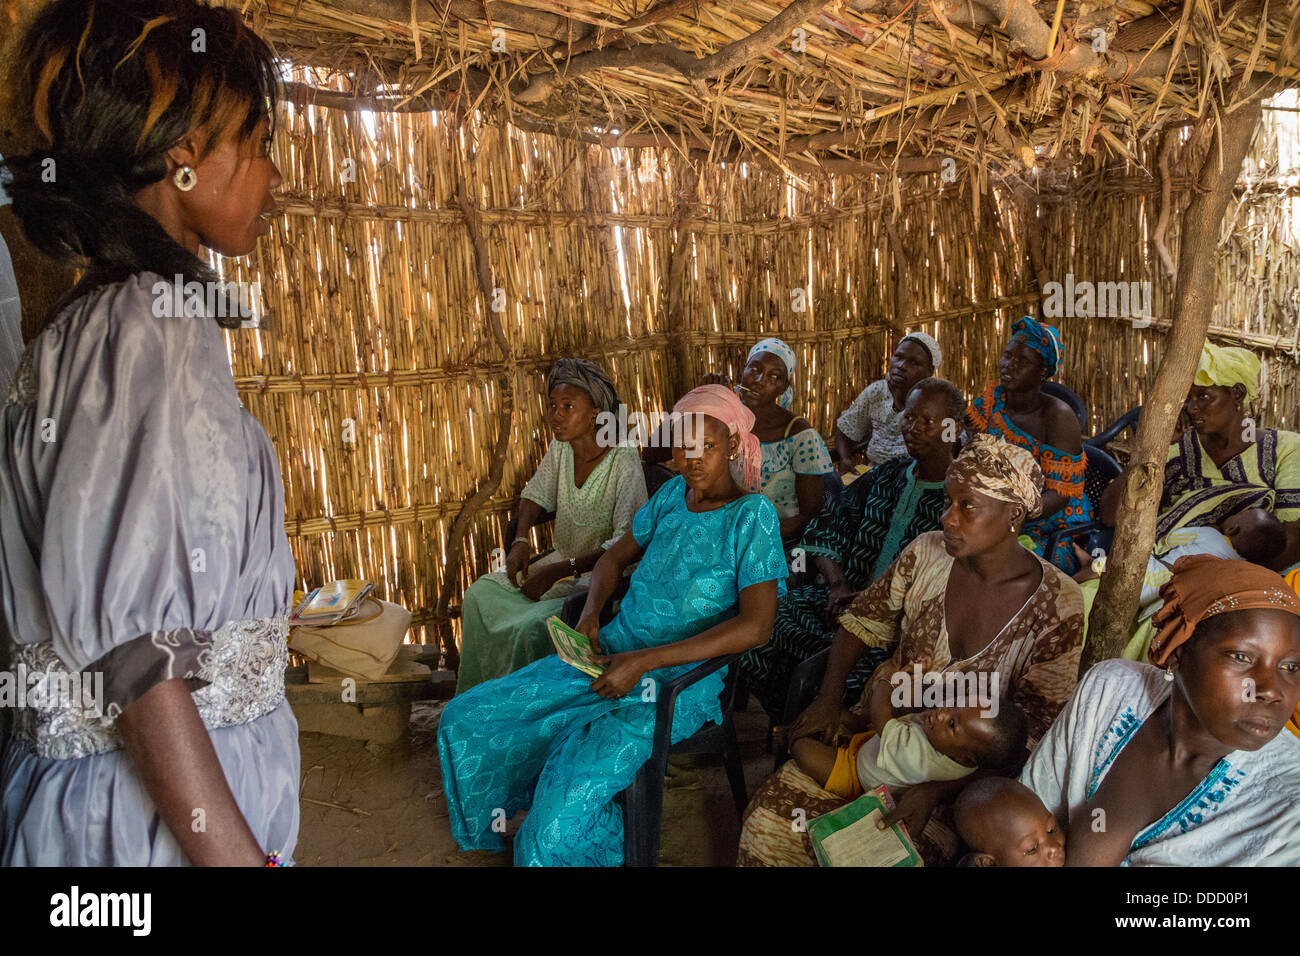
<point>848,836</point>
<point>573,647</point>
<point>331,603</point>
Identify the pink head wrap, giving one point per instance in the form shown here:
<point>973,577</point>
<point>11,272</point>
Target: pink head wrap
<point>722,403</point>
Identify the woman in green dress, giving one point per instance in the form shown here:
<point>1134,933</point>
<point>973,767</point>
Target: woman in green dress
<point>594,491</point>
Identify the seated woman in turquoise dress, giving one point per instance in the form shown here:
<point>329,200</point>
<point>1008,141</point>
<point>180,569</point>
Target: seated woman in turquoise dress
<point>550,740</point>
<point>794,454</point>
<point>1017,410</point>
<point>594,491</point>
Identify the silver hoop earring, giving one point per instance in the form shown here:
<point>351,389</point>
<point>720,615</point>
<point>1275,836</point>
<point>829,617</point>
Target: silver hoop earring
<point>185,178</point>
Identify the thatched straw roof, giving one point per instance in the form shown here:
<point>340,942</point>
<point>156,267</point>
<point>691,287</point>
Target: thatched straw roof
<point>849,85</point>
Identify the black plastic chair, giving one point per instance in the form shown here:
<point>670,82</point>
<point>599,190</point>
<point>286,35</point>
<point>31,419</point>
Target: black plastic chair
<point>1099,471</point>
<point>1057,390</point>
<point>512,529</point>
<point>643,800</point>
<point>805,681</point>
<point>1107,435</point>
<point>656,476</point>
<point>571,612</point>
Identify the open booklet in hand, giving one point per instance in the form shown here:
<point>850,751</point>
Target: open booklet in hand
<point>573,647</point>
<point>848,836</point>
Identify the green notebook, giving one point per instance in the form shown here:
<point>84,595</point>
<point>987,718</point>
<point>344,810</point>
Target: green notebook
<point>848,836</point>
<point>573,647</point>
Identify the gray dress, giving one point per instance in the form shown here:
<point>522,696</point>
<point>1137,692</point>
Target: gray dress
<point>141,539</point>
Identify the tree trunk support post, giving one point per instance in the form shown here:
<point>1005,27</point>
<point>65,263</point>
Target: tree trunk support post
<point>1116,605</point>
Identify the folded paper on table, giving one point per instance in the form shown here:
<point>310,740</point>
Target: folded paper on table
<point>361,646</point>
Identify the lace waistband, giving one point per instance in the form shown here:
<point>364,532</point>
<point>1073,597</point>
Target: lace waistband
<point>245,675</point>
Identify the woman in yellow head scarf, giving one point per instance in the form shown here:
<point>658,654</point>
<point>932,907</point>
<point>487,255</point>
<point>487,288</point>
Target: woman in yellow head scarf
<point>1221,461</point>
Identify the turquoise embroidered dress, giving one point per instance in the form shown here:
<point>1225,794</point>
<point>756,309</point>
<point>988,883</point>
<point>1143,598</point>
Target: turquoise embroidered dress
<point>501,628</point>
<point>542,740</point>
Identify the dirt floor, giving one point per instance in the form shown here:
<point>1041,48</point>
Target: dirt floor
<point>382,805</point>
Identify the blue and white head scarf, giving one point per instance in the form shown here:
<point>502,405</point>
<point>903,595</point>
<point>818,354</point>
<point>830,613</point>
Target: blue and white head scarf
<point>786,355</point>
<point>1042,338</point>
<point>928,343</point>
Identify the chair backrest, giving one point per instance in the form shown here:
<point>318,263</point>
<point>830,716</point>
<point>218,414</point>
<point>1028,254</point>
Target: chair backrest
<point>1099,471</point>
<point>655,476</point>
<point>1112,431</point>
<point>1057,390</point>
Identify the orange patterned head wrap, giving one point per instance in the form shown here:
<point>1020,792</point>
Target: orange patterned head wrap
<point>1204,586</point>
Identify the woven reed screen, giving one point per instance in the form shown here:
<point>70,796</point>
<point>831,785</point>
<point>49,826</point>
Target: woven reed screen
<point>376,317</point>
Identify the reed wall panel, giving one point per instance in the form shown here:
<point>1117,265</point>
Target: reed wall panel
<point>376,318</point>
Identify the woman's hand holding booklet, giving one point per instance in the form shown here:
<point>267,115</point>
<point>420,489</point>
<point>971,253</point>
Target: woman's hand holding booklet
<point>574,647</point>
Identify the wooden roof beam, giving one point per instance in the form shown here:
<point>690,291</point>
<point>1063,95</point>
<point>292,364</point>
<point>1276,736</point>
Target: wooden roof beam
<point>303,94</point>
<point>1120,60</point>
<point>512,16</point>
<point>664,57</point>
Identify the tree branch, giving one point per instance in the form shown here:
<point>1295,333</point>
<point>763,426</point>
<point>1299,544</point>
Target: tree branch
<point>684,205</point>
<point>664,57</point>
<point>512,15</point>
<point>505,411</point>
<point>1167,140</point>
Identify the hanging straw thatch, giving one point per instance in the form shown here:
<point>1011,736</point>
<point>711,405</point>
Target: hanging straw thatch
<point>659,271</point>
<point>850,85</point>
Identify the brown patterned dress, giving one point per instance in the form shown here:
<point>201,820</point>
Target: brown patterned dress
<point>1036,659</point>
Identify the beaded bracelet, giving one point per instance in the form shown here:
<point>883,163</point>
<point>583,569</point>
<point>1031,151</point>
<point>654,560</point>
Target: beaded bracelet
<point>274,859</point>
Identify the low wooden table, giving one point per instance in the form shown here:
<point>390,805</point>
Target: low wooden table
<point>326,702</point>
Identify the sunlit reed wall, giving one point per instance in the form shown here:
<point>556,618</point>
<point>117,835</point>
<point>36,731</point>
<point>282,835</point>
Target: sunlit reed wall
<point>377,332</point>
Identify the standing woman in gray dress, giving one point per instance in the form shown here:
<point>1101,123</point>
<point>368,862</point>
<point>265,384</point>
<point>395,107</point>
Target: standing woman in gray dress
<point>141,511</point>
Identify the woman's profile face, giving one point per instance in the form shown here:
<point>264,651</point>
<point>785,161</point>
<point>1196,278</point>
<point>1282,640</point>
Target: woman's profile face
<point>766,378</point>
<point>1241,677</point>
<point>908,365</point>
<point>925,420</point>
<point>1212,409</point>
<point>571,414</point>
<point>229,206</point>
<point>973,523</point>
<point>702,449</point>
<point>1020,368</point>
